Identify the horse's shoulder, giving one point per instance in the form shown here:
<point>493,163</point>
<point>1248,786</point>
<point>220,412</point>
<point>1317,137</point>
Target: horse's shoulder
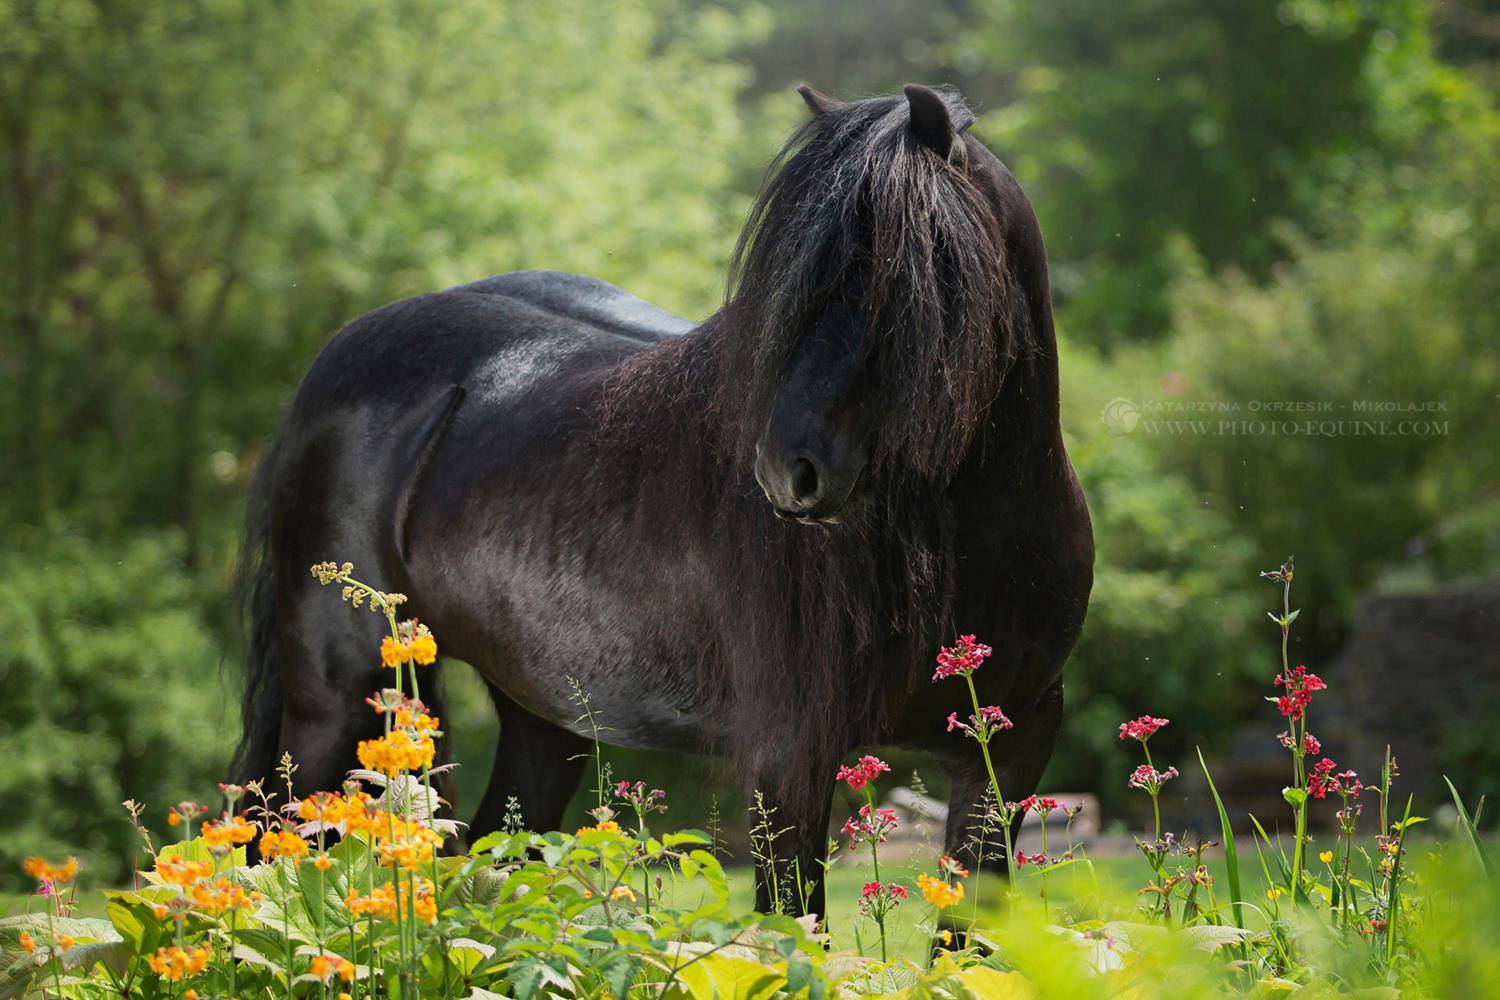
<point>584,300</point>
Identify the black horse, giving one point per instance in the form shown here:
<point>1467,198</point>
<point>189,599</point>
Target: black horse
<point>746,536</point>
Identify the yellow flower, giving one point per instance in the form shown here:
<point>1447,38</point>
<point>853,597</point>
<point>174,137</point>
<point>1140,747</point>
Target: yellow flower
<point>65,942</point>
<point>413,643</point>
<point>182,871</point>
<point>283,844</point>
<point>397,751</point>
<point>1325,856</point>
<point>940,893</point>
<point>322,862</point>
<point>190,995</point>
<point>946,937</point>
<point>622,893</point>
<point>42,871</point>
<point>322,967</point>
<point>423,648</point>
<point>346,972</point>
<point>175,963</point>
<point>27,942</point>
<point>345,996</point>
<point>607,826</point>
<point>1275,892</point>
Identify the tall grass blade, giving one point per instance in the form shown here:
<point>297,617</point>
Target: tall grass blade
<point>1231,854</point>
<point>1471,830</point>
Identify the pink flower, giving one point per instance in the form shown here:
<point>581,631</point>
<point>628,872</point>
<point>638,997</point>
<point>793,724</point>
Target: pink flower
<point>1141,729</point>
<point>995,717</point>
<point>961,659</point>
<point>990,720</point>
<point>1150,778</point>
<point>1022,858</point>
<point>872,889</point>
<point>871,826</point>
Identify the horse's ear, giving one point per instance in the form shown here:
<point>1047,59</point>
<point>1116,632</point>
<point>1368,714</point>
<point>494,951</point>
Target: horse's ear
<point>931,124</point>
<point>817,103</point>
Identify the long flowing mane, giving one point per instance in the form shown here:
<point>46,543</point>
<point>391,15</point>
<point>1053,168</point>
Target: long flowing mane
<point>817,629</point>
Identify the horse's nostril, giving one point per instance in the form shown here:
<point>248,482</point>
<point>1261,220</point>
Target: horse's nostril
<point>805,485</point>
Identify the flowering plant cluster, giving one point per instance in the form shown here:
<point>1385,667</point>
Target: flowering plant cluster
<point>353,897</point>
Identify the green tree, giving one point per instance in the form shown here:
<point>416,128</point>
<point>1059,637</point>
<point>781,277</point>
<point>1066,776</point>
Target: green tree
<point>1132,122</point>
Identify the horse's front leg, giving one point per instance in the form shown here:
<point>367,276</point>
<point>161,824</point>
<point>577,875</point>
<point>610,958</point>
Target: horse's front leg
<point>1020,755</point>
<point>789,839</point>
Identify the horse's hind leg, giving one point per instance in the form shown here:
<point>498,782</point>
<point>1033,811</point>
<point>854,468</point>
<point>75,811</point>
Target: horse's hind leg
<point>329,662</point>
<point>536,763</point>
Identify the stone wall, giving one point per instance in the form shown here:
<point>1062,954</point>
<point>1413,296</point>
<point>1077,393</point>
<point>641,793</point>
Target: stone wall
<point>1421,671</point>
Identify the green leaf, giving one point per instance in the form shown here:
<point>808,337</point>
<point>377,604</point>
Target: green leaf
<point>619,973</point>
<point>1294,797</point>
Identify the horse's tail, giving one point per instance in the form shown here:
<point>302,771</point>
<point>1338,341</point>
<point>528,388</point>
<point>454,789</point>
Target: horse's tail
<point>255,592</point>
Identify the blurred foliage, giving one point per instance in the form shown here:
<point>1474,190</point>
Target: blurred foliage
<point>112,691</point>
<point>1243,202</point>
<point>1133,122</point>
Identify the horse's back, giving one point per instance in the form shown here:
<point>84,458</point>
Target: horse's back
<point>581,299</point>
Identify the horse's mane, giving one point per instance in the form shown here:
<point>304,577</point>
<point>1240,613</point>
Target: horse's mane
<point>855,206</point>
<point>817,628</point>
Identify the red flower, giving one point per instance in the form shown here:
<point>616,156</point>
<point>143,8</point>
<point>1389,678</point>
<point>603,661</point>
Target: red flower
<point>1300,686</point>
<point>961,659</point>
<point>871,889</point>
<point>1321,782</point>
<point>1022,858</point>
<point>1141,729</point>
<point>865,770</point>
<point>1310,745</point>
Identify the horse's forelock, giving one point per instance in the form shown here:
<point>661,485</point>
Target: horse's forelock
<point>854,197</point>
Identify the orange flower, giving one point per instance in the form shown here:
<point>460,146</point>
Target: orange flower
<point>322,967</point>
<point>607,826</point>
<point>223,894</point>
<point>940,893</point>
<point>283,844</point>
<point>175,963</point>
<point>223,834</point>
<point>386,901</point>
<point>42,871</point>
<point>27,943</point>
<point>181,871</point>
<point>65,941</point>
<point>413,849</point>
<point>346,972</point>
<point>322,862</point>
